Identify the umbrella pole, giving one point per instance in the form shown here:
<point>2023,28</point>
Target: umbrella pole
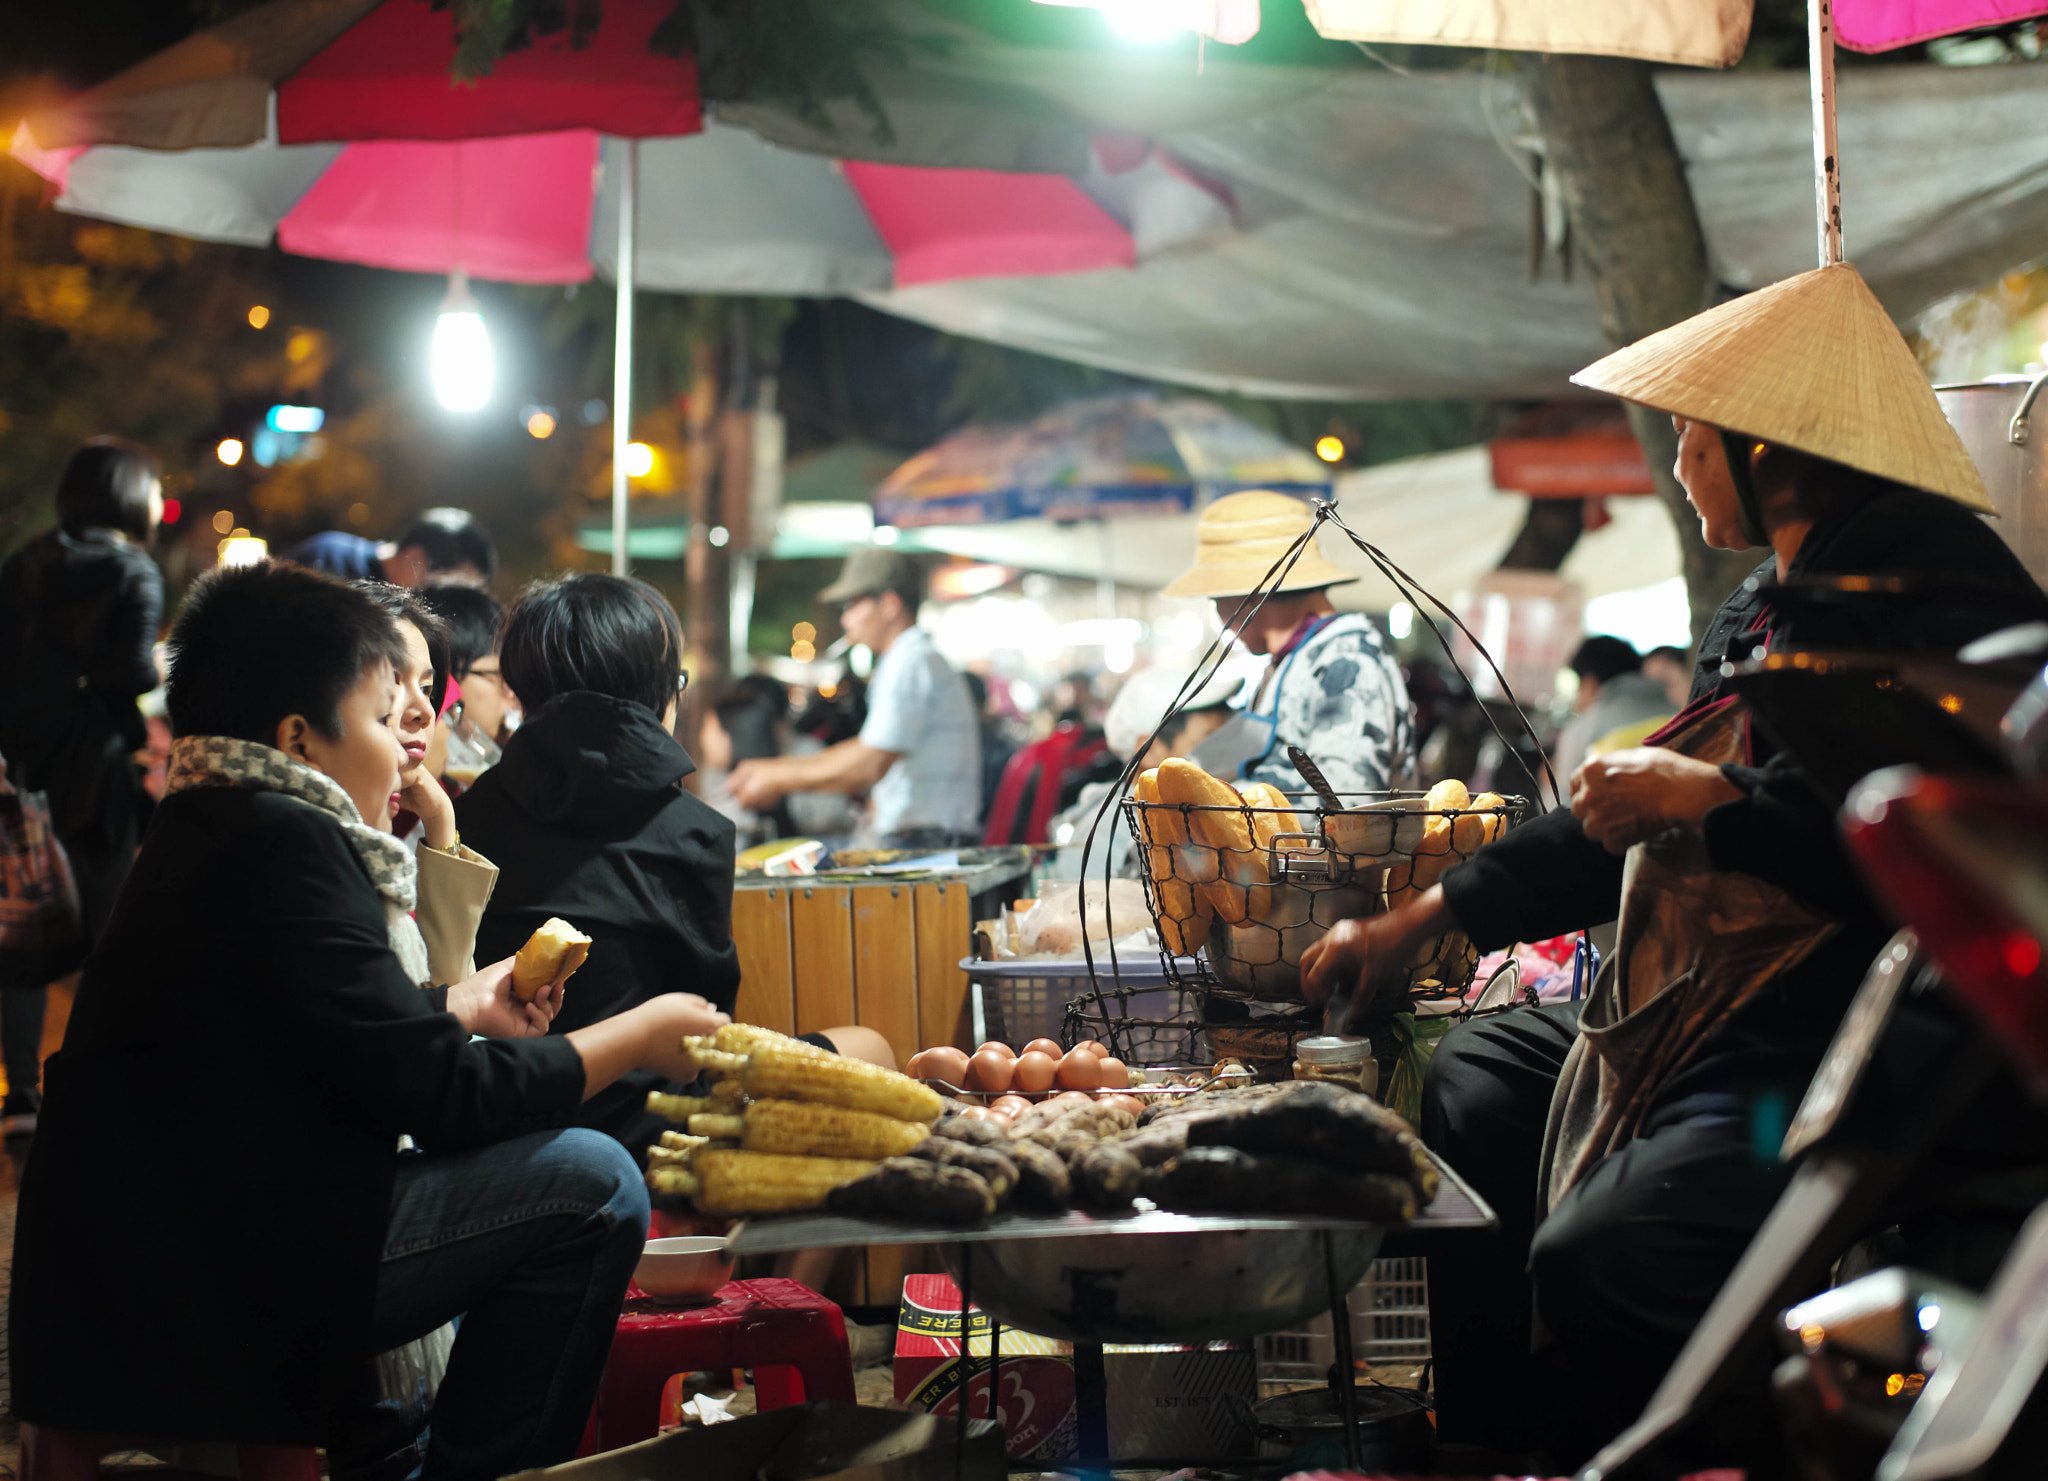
<point>622,356</point>
<point>1820,50</point>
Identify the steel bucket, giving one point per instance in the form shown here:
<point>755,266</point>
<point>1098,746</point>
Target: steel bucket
<point>1167,1287</point>
<point>1997,422</point>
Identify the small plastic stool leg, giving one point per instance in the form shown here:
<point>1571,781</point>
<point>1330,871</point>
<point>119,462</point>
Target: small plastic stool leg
<point>777,1385</point>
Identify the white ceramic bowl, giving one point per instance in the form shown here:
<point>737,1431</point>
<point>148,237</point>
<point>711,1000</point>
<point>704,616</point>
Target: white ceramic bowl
<point>684,1271</point>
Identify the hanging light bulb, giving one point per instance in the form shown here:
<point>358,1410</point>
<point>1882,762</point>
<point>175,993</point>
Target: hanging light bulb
<point>461,358</point>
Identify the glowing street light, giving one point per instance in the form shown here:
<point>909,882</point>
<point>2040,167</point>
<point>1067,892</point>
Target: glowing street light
<point>229,451</point>
<point>639,459</point>
<point>1330,449</point>
<point>258,316</point>
<point>540,423</point>
<point>460,361</point>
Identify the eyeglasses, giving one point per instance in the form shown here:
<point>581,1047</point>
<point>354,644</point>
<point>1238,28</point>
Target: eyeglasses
<point>682,680</point>
<point>454,712</point>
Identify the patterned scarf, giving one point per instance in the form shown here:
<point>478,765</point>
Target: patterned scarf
<point>224,761</point>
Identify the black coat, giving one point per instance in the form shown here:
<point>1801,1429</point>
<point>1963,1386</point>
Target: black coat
<point>78,618</point>
<point>586,818</point>
<point>202,1216</point>
<point>1547,877</point>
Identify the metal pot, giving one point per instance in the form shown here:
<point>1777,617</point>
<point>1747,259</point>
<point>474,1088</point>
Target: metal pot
<point>1995,421</point>
<point>1307,1429</point>
<point>1167,1287</point>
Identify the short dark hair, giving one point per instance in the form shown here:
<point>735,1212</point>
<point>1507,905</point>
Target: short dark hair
<point>1602,657</point>
<point>751,709</point>
<point>254,644</point>
<point>1677,655</point>
<point>404,606</point>
<point>473,616</point>
<point>606,634</point>
<point>451,539</point>
<point>106,486</point>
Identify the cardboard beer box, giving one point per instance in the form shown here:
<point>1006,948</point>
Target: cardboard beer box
<point>800,1442</point>
<point>1168,1405</point>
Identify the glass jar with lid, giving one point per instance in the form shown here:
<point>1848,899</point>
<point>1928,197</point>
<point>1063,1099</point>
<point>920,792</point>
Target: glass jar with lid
<point>1339,1059</point>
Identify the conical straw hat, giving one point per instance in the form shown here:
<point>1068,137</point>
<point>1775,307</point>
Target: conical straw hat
<point>1239,538</point>
<point>1813,363</point>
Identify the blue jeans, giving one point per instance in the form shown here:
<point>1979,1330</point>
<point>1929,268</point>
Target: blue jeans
<point>532,1242</point>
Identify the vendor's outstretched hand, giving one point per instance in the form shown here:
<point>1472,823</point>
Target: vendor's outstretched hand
<point>755,785</point>
<point>1370,956</point>
<point>485,1004</point>
<point>1626,796</point>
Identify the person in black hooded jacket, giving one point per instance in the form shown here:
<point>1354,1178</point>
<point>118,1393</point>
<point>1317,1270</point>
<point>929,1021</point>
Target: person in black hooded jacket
<point>586,818</point>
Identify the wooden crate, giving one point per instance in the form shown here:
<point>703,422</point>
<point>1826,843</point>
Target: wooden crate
<point>882,955</point>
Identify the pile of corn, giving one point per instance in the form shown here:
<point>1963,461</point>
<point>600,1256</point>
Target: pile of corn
<point>784,1124</point>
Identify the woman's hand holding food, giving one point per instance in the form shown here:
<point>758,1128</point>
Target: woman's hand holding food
<point>1626,796</point>
<point>485,1004</point>
<point>1373,953</point>
<point>671,1018</point>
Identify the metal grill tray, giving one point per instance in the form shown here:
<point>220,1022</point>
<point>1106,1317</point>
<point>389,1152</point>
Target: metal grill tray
<point>1456,1207</point>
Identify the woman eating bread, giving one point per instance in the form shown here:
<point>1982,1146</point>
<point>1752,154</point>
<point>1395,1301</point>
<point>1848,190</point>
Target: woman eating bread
<point>263,972</point>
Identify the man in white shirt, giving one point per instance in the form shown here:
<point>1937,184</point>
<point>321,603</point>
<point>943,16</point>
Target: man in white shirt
<point>918,755</point>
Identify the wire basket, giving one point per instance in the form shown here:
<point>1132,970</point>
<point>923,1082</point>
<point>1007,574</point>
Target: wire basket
<point>1242,891</point>
<point>1141,1026</point>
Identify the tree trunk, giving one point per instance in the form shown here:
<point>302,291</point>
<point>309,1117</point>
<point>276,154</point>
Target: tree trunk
<point>1635,226</point>
<point>1549,531</point>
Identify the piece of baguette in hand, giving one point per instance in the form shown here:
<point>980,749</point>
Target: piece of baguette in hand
<point>555,950</point>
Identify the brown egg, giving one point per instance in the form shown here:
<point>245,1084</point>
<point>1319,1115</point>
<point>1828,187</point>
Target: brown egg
<point>1080,1070</point>
<point>1047,1047</point>
<point>946,1063</point>
<point>1036,1071</point>
<point>980,1113</point>
<point>1116,1075</point>
<point>997,1046</point>
<point>989,1070</point>
<point>1009,1107</point>
<point>1095,1047</point>
<point>1123,1102</point>
<point>1073,1098</point>
<point>915,1069</point>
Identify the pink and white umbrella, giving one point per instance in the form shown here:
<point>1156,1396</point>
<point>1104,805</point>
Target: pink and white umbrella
<point>334,128</point>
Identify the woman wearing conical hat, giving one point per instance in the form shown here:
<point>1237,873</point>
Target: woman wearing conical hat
<point>1645,1126</point>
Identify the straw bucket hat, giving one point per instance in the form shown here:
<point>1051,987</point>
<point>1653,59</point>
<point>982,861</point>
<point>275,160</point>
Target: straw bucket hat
<point>1239,538</point>
<point>1812,363</point>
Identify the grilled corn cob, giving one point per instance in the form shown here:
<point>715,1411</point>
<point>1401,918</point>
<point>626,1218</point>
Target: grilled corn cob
<point>672,1179</point>
<point>712,1123</point>
<point>677,1141</point>
<point>777,1074</point>
<point>745,1038</point>
<point>716,1061</point>
<point>668,1157</point>
<point>741,1182</point>
<point>676,1107</point>
<point>726,1096</point>
<point>827,1131</point>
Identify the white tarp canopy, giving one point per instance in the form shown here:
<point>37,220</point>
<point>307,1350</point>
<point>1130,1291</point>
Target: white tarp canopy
<point>1382,246</point>
<point>1439,518</point>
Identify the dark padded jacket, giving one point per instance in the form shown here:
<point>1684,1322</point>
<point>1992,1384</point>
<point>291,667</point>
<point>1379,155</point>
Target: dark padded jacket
<point>586,818</point>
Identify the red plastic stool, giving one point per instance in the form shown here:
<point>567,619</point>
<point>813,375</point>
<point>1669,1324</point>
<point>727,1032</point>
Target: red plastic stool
<point>74,1455</point>
<point>793,1339</point>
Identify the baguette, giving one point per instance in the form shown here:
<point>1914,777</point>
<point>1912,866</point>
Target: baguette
<point>1184,917</point>
<point>554,951</point>
<point>1219,830</point>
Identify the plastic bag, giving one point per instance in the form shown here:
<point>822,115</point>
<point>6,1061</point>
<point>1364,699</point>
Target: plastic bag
<point>1052,926</point>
